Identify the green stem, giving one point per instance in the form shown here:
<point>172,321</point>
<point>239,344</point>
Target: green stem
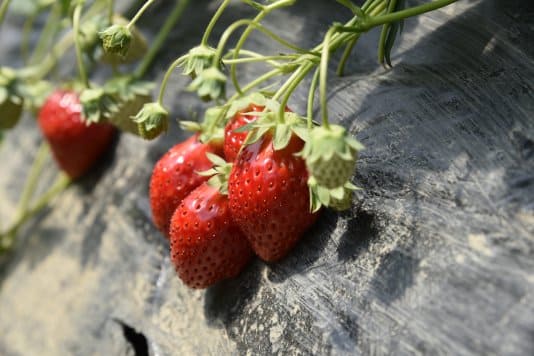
<point>304,70</point>
<point>40,71</point>
<point>323,76</point>
<point>246,33</point>
<point>48,33</point>
<point>168,73</point>
<point>213,21</point>
<point>251,24</point>
<point>7,239</point>
<point>259,58</point>
<point>384,33</point>
<point>111,10</point>
<point>311,97</point>
<point>26,33</point>
<point>33,179</point>
<point>371,22</point>
<point>346,55</point>
<point>79,54</point>
<point>263,78</point>
<point>3,9</point>
<point>175,15</point>
<point>139,13</point>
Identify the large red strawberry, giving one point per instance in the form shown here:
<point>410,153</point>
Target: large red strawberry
<point>175,175</point>
<point>76,146</point>
<point>269,196</point>
<point>206,245</point>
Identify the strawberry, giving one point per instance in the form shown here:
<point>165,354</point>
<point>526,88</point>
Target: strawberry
<point>206,246</point>
<point>234,140</point>
<point>174,177</point>
<point>75,144</point>
<point>269,196</point>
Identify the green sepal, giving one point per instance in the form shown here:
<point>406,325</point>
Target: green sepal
<point>116,39</point>
<point>338,198</point>
<point>197,60</point>
<point>220,173</point>
<point>97,105</point>
<point>152,120</point>
<point>210,84</point>
<point>244,102</point>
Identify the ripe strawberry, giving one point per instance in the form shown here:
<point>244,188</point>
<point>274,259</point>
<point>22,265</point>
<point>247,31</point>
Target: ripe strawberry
<point>174,177</point>
<point>269,196</point>
<point>234,140</point>
<point>206,246</point>
<point>75,145</point>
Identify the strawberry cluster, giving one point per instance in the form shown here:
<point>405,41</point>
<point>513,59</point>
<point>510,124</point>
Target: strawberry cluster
<point>256,201</point>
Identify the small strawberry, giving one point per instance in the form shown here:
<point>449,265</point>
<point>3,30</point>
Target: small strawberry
<point>175,175</point>
<point>234,140</point>
<point>269,196</point>
<point>330,155</point>
<point>206,246</point>
<point>239,115</point>
<point>75,144</point>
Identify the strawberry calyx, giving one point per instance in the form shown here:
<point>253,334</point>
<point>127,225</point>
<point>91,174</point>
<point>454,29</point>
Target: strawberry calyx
<point>97,105</point>
<point>116,39</point>
<point>152,120</point>
<point>130,94</point>
<point>339,198</point>
<point>211,129</point>
<point>219,173</point>
<point>210,84</point>
<point>197,60</point>
<point>269,122</point>
<point>330,154</point>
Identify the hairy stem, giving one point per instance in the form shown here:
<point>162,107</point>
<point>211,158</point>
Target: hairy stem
<point>139,14</point>
<point>213,21</point>
<point>77,43</point>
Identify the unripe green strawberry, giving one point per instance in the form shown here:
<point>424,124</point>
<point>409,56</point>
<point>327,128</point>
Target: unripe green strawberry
<point>10,112</point>
<point>127,110</point>
<point>11,101</point>
<point>152,121</point>
<point>330,155</point>
<point>130,51</point>
<point>339,198</point>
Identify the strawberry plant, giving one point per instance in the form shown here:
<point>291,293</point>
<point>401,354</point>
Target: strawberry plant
<point>284,166</point>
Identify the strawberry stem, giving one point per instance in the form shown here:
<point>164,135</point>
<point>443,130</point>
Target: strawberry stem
<point>33,178</point>
<point>77,44</point>
<point>323,76</point>
<point>162,35</point>
<point>166,78</point>
<point>213,21</point>
<point>8,238</point>
<point>265,10</point>
<point>52,26</point>
<point>3,9</point>
<point>311,97</point>
<point>139,13</point>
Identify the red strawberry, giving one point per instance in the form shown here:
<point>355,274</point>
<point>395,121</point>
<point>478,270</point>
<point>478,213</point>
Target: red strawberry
<point>206,246</point>
<point>234,140</point>
<point>174,177</point>
<point>76,145</point>
<point>269,196</point>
